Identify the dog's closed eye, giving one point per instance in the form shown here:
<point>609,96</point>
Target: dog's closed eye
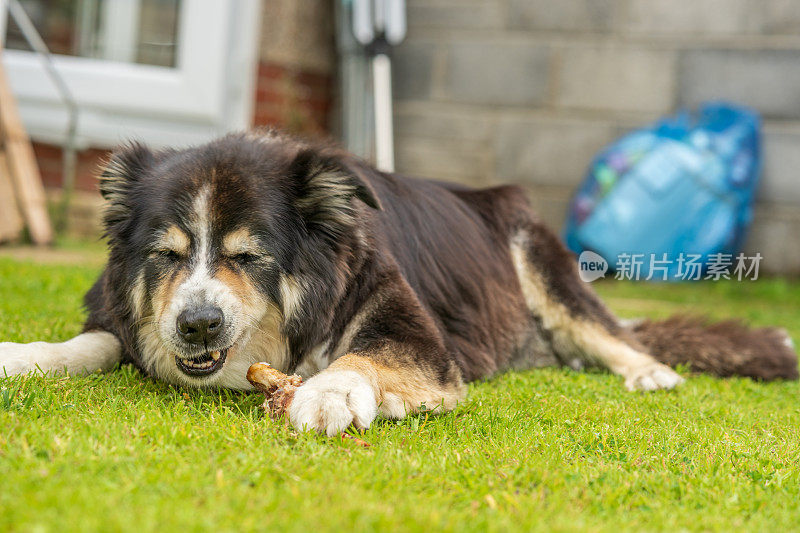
<point>241,247</point>
<point>171,255</point>
<point>173,244</point>
<point>244,257</point>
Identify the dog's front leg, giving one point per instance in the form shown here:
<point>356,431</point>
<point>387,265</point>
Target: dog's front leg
<point>359,386</point>
<point>86,353</point>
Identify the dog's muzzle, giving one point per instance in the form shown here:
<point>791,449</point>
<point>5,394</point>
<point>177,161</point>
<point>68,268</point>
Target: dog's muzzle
<point>201,326</point>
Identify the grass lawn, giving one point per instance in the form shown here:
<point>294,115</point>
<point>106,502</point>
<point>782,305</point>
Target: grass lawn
<point>540,450</point>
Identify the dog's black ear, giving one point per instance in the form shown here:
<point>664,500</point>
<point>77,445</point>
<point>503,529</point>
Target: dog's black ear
<point>326,188</point>
<point>120,174</point>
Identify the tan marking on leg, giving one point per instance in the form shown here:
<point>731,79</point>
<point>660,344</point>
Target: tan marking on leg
<point>355,388</point>
<point>577,337</point>
<point>402,390</point>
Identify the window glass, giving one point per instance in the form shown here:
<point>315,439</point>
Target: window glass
<point>134,31</point>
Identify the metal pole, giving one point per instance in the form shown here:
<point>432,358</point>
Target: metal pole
<point>356,108</point>
<point>375,25</point>
<point>382,94</point>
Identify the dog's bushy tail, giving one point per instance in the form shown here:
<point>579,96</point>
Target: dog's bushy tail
<point>723,349</point>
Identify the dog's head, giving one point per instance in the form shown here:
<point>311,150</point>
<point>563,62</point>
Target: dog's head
<point>219,248</point>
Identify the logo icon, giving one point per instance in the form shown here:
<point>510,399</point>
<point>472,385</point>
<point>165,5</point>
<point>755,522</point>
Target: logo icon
<point>591,266</point>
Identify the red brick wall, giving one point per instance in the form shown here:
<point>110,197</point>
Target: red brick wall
<point>293,99</point>
<point>51,166</point>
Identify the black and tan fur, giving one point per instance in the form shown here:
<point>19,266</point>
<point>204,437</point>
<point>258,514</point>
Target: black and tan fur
<point>388,292</point>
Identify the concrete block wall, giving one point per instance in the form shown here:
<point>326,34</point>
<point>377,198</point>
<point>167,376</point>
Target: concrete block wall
<point>526,91</point>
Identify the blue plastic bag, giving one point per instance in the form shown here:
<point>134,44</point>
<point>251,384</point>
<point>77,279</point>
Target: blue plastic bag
<point>684,185</point>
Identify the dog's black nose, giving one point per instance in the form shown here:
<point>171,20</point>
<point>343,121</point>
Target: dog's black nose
<point>200,325</point>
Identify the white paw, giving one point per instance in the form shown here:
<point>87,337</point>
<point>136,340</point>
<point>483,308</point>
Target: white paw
<point>652,377</point>
<point>332,400</point>
<point>20,358</point>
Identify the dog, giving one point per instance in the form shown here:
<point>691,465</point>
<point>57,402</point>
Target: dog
<point>387,293</point>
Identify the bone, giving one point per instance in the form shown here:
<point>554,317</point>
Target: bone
<point>279,390</point>
<point>277,387</point>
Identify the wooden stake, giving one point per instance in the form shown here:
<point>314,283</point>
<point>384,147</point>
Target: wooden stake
<point>10,220</point>
<point>21,162</point>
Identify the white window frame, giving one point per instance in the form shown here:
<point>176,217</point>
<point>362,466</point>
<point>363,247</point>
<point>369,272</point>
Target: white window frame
<point>208,93</point>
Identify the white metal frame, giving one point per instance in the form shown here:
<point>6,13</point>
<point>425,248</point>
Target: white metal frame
<point>209,92</point>
<point>120,29</point>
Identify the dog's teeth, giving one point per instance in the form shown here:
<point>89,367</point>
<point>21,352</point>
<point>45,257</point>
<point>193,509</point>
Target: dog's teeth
<point>207,361</point>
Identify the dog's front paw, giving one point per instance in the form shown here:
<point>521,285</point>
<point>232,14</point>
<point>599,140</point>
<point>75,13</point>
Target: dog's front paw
<point>652,376</point>
<point>20,358</point>
<point>331,401</point>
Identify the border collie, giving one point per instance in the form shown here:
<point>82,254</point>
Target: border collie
<point>388,293</point>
